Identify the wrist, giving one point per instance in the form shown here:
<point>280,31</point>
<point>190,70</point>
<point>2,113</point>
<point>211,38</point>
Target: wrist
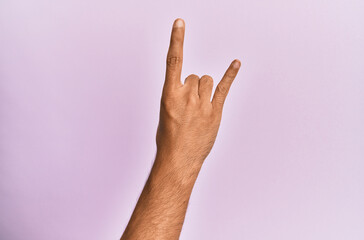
<point>175,168</point>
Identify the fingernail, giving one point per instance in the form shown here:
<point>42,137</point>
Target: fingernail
<point>236,64</point>
<point>178,23</point>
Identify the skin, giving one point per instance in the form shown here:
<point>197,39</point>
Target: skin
<point>188,126</point>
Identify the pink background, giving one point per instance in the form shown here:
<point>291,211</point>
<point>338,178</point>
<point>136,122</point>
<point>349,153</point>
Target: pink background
<point>79,104</point>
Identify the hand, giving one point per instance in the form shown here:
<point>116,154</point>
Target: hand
<point>189,121</point>
<point>188,125</point>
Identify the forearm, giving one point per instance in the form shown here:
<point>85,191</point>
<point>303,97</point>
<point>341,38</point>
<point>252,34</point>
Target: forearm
<point>162,205</point>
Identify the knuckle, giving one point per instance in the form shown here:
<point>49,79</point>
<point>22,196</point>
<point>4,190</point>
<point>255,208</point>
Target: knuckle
<point>191,100</point>
<point>173,61</point>
<point>166,93</point>
<point>220,99</point>
<point>208,79</point>
<point>167,100</point>
<point>166,103</point>
<point>231,75</point>
<point>222,89</point>
<point>193,76</point>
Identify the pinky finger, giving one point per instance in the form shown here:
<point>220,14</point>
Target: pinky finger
<point>223,87</point>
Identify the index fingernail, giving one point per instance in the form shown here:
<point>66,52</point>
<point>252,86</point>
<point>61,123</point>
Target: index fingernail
<point>236,64</point>
<point>178,23</point>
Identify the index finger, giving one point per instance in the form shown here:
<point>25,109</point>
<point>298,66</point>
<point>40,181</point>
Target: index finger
<point>175,54</point>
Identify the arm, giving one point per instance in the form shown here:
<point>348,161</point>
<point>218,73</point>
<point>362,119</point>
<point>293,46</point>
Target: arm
<point>188,126</point>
